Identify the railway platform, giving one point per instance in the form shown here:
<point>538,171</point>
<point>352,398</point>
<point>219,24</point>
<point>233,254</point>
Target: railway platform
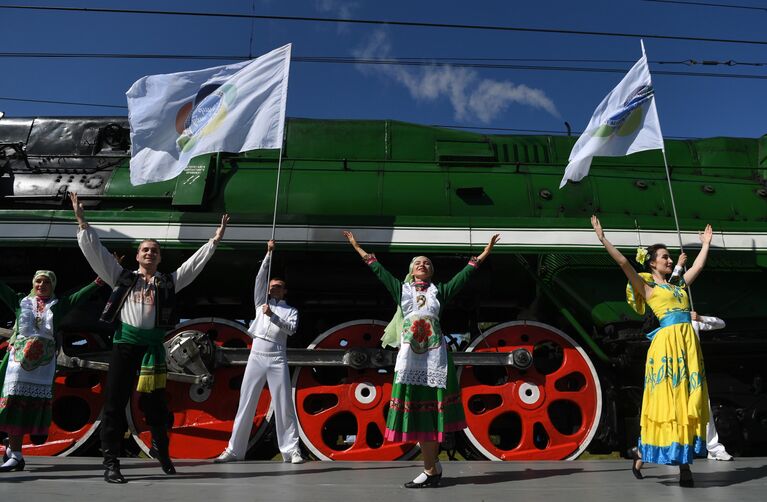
<point>80,478</point>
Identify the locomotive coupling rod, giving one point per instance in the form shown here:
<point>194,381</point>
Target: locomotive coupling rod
<point>374,358</point>
<point>519,358</point>
<point>64,361</point>
<point>356,358</point>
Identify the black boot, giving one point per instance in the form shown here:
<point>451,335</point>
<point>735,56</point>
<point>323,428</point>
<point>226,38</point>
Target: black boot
<point>112,472</point>
<point>159,449</point>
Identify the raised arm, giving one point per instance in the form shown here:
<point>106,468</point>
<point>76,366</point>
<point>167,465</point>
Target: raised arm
<point>101,261</point>
<point>392,284</point>
<point>79,296</point>
<point>700,261</point>
<point>637,283</point>
<point>191,268</point>
<point>449,289</point>
<point>350,237</point>
<point>260,288</point>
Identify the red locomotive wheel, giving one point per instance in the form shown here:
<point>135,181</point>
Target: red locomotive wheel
<point>342,411</point>
<point>548,412</point>
<point>77,402</point>
<point>203,418</point>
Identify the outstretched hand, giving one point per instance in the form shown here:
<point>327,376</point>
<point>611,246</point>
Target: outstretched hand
<point>221,229</point>
<point>597,227</point>
<point>350,237</point>
<point>77,207</point>
<point>706,235</point>
<point>493,241</point>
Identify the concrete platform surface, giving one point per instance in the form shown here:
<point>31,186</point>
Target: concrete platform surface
<point>80,478</point>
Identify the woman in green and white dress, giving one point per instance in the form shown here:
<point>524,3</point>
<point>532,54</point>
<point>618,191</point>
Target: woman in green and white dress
<point>29,365</point>
<point>426,401</point>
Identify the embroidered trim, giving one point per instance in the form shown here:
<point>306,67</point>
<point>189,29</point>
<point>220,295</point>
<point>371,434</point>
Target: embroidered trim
<point>474,262</point>
<point>422,406</point>
<point>27,390</point>
<point>399,436</point>
<point>369,258</point>
<point>431,377</point>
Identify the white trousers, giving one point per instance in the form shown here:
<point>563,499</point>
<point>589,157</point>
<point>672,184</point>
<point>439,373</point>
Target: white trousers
<point>712,437</point>
<point>271,368</point>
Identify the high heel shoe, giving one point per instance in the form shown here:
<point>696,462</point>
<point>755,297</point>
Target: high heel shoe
<point>635,458</point>
<point>429,482</point>
<point>17,466</point>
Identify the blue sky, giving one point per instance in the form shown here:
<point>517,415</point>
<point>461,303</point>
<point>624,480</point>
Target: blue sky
<point>479,97</point>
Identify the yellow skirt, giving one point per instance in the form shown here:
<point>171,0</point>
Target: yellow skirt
<point>675,401</point>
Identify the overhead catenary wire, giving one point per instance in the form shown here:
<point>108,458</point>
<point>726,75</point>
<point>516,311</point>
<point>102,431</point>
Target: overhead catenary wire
<point>419,63</point>
<point>58,102</point>
<point>709,4</point>
<point>425,60</point>
<point>388,22</point>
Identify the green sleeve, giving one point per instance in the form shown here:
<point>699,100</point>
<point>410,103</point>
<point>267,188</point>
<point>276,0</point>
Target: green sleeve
<point>71,300</point>
<point>449,289</point>
<point>392,284</point>
<point>9,297</point>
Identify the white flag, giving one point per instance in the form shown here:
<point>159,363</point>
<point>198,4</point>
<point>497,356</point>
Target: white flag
<point>232,108</point>
<point>625,122</point>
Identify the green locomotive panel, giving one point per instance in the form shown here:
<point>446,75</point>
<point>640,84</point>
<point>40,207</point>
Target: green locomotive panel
<point>400,184</point>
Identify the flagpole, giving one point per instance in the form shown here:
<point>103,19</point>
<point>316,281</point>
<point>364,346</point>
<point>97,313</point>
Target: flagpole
<point>279,167</point>
<point>670,191</point>
<point>274,216</point>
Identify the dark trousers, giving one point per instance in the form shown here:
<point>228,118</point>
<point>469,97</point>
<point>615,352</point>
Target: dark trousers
<point>121,382</point>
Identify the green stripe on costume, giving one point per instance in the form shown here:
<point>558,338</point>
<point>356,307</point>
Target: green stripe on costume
<point>154,372</point>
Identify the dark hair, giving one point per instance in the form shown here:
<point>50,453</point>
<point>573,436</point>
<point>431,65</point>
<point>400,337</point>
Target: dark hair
<point>147,240</point>
<point>651,252</point>
<point>278,278</point>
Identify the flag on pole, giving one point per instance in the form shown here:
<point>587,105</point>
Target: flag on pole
<point>626,121</point>
<point>178,116</point>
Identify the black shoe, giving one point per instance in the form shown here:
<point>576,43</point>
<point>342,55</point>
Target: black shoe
<point>7,444</point>
<point>165,462</point>
<point>685,479</point>
<point>18,466</point>
<point>633,454</point>
<point>159,450</point>
<point>429,482</point>
<point>112,472</point>
<point>113,475</point>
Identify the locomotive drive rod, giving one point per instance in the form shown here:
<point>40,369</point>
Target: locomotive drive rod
<point>374,358</point>
<point>356,358</point>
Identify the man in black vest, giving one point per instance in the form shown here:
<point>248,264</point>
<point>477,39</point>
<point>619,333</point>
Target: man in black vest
<point>144,299</point>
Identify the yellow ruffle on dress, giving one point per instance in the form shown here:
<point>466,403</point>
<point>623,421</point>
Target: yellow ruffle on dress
<point>675,401</point>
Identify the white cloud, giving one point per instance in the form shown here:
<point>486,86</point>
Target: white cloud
<point>339,8</point>
<point>471,96</point>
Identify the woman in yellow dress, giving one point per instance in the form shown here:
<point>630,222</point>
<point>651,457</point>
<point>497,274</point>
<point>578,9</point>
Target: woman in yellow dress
<point>674,404</point>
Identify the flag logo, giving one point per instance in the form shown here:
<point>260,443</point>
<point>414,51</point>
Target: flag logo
<point>205,114</point>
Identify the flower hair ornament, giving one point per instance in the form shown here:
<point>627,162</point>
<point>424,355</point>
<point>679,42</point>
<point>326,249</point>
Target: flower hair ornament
<point>642,255</point>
